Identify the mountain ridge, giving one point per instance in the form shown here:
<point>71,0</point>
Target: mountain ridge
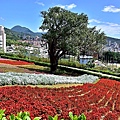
<point>25,31</point>
<point>19,28</point>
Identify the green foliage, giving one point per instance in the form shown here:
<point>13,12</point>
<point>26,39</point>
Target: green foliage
<point>2,115</point>
<point>71,116</point>
<point>71,63</point>
<point>26,116</point>
<point>53,118</point>
<point>10,42</point>
<point>75,117</point>
<point>111,56</point>
<point>90,64</point>
<point>11,35</point>
<point>118,70</point>
<point>20,116</point>
<point>91,41</point>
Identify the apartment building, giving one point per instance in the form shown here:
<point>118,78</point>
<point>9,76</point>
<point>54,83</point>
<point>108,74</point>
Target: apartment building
<point>2,39</point>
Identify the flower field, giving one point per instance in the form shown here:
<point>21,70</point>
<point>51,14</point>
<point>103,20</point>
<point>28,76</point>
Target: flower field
<point>14,62</point>
<point>13,78</point>
<point>100,101</point>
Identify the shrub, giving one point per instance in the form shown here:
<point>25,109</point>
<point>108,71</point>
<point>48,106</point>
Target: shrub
<point>26,116</point>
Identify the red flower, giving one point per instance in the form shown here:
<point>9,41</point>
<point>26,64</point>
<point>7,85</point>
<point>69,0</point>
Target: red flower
<point>96,101</point>
<point>14,62</point>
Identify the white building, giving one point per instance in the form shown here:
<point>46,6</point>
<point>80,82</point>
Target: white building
<point>2,39</point>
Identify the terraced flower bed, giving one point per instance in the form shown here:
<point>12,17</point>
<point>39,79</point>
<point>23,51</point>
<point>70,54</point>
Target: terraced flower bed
<point>100,101</point>
<point>14,62</point>
<point>7,65</point>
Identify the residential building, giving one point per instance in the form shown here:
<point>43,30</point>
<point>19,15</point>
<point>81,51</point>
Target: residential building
<point>2,39</point>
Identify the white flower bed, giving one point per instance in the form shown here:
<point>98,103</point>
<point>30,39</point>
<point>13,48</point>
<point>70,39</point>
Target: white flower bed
<point>11,78</point>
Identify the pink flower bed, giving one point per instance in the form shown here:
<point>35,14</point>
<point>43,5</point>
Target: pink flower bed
<point>100,101</point>
<point>14,62</point>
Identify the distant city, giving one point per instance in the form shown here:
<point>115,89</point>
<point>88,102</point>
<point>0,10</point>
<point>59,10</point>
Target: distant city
<point>113,45</point>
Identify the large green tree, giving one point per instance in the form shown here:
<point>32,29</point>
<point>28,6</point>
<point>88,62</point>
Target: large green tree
<point>91,41</point>
<point>62,28</point>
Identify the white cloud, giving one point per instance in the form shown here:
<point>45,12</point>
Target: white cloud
<point>113,24</point>
<point>1,18</point>
<point>40,30</point>
<point>110,29</point>
<point>71,6</point>
<point>111,8</point>
<point>62,6</point>
<point>39,3</point>
<point>93,20</point>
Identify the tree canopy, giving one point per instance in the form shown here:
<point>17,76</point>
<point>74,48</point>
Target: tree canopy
<point>66,31</point>
<point>91,41</point>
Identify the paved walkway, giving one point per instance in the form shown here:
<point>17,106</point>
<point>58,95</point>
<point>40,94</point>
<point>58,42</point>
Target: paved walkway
<point>95,73</point>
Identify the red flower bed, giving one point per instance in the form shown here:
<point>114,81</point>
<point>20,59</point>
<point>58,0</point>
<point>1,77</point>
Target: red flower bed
<point>100,101</point>
<point>14,62</point>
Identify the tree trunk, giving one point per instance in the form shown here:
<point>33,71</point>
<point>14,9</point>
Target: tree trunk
<point>54,64</point>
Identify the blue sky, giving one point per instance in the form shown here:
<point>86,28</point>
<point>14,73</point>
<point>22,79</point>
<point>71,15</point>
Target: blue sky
<point>104,14</point>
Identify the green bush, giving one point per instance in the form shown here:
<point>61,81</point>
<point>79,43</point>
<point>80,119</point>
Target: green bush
<point>26,116</point>
<point>90,64</point>
<point>71,63</point>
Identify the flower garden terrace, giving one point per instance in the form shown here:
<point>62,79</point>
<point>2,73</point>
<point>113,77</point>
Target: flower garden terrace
<point>98,101</point>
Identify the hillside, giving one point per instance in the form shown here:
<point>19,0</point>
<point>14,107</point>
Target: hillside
<point>21,29</point>
<point>25,31</point>
<point>11,34</point>
<point>113,40</point>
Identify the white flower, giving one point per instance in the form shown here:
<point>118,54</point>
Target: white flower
<point>37,79</point>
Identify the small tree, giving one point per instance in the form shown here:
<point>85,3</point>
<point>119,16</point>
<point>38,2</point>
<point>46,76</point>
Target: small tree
<point>62,28</point>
